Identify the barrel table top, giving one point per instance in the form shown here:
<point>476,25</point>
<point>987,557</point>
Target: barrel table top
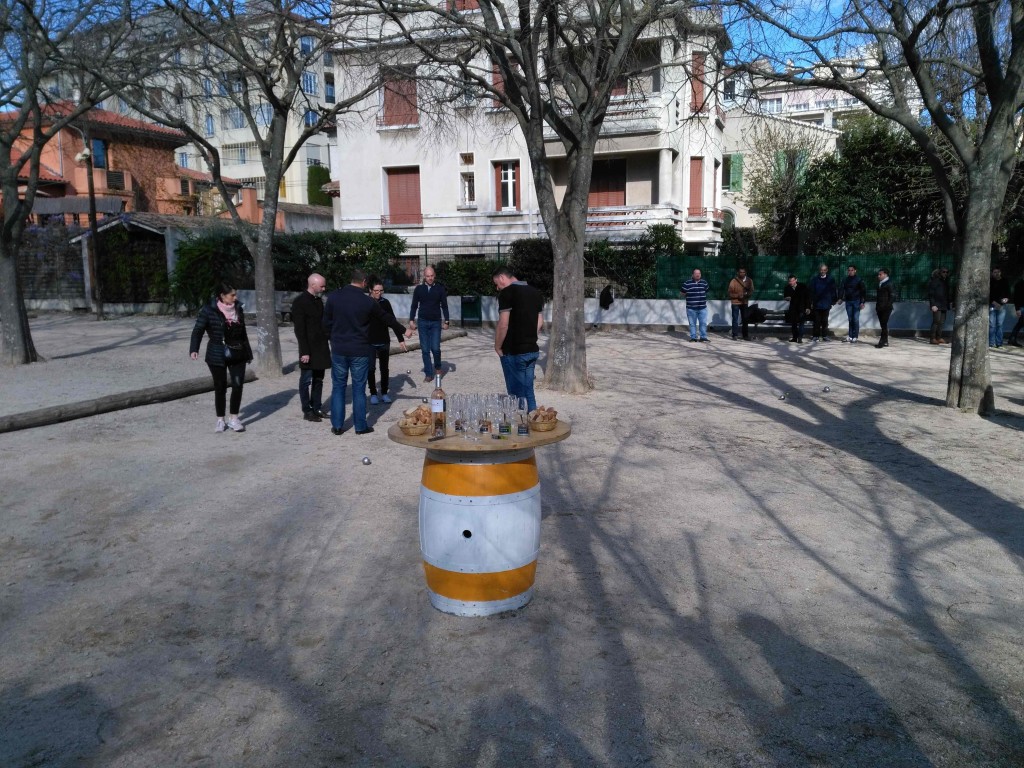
<point>456,443</point>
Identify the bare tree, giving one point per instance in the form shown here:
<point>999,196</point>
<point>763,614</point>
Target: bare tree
<point>553,67</point>
<point>952,74</point>
<point>38,41</point>
<point>249,67</point>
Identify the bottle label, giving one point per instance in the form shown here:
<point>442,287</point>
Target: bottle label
<point>437,406</point>
<point>504,428</point>
<point>522,429</point>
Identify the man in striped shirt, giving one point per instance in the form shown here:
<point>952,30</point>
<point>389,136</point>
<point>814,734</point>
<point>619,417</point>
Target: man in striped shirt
<point>695,291</point>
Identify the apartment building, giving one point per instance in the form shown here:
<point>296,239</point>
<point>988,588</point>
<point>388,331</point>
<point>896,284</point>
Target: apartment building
<point>658,159</point>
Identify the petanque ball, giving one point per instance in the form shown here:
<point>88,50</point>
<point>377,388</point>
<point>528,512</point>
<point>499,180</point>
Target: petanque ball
<point>827,389</point>
<point>366,460</point>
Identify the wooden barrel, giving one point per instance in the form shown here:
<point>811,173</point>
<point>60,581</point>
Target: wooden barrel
<point>480,530</point>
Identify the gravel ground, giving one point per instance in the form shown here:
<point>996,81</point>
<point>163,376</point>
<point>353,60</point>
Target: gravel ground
<point>726,578</point>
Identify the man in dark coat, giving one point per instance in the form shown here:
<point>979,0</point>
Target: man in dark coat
<point>853,294</point>
<point>883,306</point>
<point>823,295</point>
<point>381,342</point>
<point>347,317</point>
<point>940,300</point>
<point>799,308</point>
<point>314,352</point>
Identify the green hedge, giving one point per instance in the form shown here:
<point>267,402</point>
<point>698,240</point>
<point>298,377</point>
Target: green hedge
<point>204,261</point>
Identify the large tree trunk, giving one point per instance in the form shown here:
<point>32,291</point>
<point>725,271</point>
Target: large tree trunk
<point>970,380</point>
<point>16,347</point>
<point>566,369</point>
<point>268,343</point>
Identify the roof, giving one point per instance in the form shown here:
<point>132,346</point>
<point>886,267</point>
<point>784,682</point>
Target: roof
<point>108,121</point>
<point>332,188</point>
<point>306,210</point>
<point>188,173</point>
<point>159,222</point>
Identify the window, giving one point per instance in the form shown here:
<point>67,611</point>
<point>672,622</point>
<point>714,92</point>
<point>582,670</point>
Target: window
<point>208,125</point>
<point>177,58</point>
<point>468,196</point>
<point>310,83</point>
<point>696,206</point>
<point>607,183</point>
<point>183,160</point>
<point>231,118</point>
<point>310,118</point>
<point>732,172</point>
<point>403,197</point>
<point>184,187</point>
<point>329,89</point>
<point>179,94</point>
<point>306,44</point>
<point>99,153</point>
<point>464,5</point>
<point>466,158</point>
<point>697,101</point>
<point>328,59</point>
<point>207,87</point>
<point>263,115</point>
<point>400,98</point>
<point>729,89</point>
<point>506,186</point>
<point>771,106</point>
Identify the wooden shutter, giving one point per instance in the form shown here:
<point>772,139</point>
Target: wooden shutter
<point>498,81</point>
<point>400,101</point>
<point>404,196</point>
<point>697,83</point>
<point>607,184</point>
<point>696,185</point>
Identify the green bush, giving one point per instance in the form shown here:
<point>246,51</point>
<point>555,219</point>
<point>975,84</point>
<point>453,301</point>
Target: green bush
<point>467,277</point>
<point>532,260</point>
<point>204,261</point>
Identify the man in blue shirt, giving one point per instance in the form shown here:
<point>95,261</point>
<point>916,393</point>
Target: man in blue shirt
<point>695,291</point>
<point>823,295</point>
<point>432,302</point>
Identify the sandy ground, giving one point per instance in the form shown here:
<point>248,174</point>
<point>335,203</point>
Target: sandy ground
<point>725,578</point>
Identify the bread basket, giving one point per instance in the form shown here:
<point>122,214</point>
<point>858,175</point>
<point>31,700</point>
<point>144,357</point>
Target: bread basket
<point>543,426</point>
<point>414,429</point>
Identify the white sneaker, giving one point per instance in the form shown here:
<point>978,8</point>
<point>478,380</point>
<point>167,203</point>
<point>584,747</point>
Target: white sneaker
<point>373,400</point>
<point>386,398</point>
<point>220,426</point>
<point>847,340</point>
<point>235,424</point>
<point>853,340</point>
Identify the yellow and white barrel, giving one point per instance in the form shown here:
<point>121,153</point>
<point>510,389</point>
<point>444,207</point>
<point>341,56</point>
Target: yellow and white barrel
<point>480,530</point>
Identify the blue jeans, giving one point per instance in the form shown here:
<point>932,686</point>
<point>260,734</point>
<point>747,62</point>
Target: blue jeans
<point>341,365</point>
<point>995,327</point>
<point>311,388</point>
<point>853,315</point>
<point>430,344</point>
<point>519,370</point>
<point>698,320</point>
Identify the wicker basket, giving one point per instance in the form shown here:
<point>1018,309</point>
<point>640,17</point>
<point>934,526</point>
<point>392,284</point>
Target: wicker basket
<point>414,430</point>
<point>543,426</point>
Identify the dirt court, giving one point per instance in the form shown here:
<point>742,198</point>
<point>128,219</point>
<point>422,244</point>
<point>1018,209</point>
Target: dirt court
<point>726,578</point>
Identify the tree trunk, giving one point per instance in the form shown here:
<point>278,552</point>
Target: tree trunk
<point>970,379</point>
<point>566,369</point>
<point>268,343</point>
<point>16,336</point>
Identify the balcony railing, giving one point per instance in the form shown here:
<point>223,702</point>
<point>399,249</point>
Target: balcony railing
<point>697,213</point>
<point>632,217</point>
<point>402,220</point>
<point>387,120</point>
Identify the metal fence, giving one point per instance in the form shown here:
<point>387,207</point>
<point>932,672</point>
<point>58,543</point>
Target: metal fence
<point>909,272</point>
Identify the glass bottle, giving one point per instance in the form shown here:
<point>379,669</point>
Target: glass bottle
<point>438,408</point>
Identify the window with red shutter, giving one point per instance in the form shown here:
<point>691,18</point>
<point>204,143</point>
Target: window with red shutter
<point>697,102</point>
<point>607,183</point>
<point>696,206</point>
<point>507,186</point>
<point>403,197</point>
<point>400,99</point>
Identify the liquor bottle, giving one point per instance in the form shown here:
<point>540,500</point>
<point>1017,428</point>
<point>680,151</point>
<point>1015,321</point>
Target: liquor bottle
<point>438,407</point>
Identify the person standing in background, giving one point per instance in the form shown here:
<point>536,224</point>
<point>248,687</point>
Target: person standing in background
<point>695,291</point>
<point>430,306</point>
<point>741,288</point>
<point>799,308</point>
<point>823,295</point>
<point>940,300</point>
<point>1018,305</point>
<point>314,351</point>
<point>520,319</point>
<point>998,298</point>
<point>883,306</point>
<point>227,352</point>
<point>853,294</point>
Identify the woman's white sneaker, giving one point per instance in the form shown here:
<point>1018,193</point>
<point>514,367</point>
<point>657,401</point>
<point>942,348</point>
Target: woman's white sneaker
<point>220,426</point>
<point>236,425</point>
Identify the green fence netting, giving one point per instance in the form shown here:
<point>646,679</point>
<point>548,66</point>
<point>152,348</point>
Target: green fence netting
<point>909,272</point>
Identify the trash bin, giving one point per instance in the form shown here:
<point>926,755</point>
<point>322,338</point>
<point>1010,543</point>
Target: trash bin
<point>472,311</point>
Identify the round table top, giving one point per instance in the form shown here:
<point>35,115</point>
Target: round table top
<point>456,443</point>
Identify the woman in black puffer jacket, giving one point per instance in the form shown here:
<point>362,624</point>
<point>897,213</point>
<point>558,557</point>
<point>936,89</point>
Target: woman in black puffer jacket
<point>227,352</point>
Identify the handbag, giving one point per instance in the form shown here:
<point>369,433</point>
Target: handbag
<point>234,353</point>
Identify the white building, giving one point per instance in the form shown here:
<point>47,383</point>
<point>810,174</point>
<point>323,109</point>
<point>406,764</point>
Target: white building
<point>658,161</point>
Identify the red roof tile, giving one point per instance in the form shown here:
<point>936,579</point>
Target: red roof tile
<point>188,173</point>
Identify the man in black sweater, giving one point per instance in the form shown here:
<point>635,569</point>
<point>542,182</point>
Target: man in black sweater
<point>314,353</point>
<point>430,301</point>
<point>347,316</point>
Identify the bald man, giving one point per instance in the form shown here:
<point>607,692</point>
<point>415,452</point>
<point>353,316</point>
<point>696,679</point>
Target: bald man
<point>314,351</point>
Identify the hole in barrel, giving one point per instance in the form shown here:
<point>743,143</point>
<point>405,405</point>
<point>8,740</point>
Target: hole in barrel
<point>467,534</point>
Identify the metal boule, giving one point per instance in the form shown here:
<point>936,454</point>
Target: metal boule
<point>366,460</point>
<point>826,389</point>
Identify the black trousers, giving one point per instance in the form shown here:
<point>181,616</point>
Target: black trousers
<point>820,322</point>
<point>883,322</point>
<point>223,377</point>
<point>383,355</point>
<point>797,329</point>
<point>1017,328</point>
<point>938,321</point>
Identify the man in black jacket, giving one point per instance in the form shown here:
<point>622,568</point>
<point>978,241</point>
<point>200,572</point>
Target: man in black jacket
<point>381,342</point>
<point>347,316</point>
<point>1018,305</point>
<point>852,293</point>
<point>998,298</point>
<point>799,309</point>
<point>314,353</point>
<point>883,306</point>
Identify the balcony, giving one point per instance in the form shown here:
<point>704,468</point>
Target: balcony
<point>628,116</point>
<point>632,217</point>
<point>697,213</point>
<point>104,181</point>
